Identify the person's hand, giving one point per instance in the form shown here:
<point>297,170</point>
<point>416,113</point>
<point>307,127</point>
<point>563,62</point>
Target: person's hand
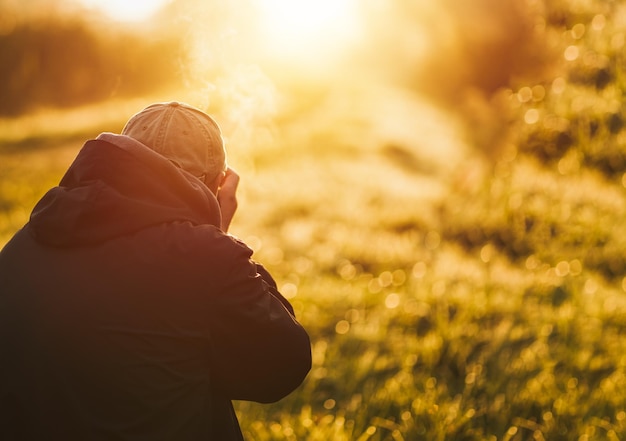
<point>227,197</point>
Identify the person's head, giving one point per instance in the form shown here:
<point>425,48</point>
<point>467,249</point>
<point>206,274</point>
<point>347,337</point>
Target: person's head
<point>186,136</point>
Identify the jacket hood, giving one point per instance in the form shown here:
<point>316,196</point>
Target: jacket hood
<point>117,186</point>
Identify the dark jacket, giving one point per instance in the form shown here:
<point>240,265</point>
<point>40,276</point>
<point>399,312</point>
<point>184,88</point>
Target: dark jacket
<point>127,314</point>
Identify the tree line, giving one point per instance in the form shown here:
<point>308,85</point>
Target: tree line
<point>56,61</point>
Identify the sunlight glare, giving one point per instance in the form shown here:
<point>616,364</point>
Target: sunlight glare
<point>124,10</point>
<point>300,27</point>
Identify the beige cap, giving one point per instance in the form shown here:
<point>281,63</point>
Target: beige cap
<point>183,134</point>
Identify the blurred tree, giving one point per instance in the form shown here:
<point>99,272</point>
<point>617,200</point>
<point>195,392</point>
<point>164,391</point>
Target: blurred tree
<point>60,60</point>
<point>461,55</point>
<point>495,43</point>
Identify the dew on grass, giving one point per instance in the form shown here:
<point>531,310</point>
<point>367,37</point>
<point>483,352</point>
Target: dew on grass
<point>525,94</point>
<point>591,286</point>
<point>531,116</point>
<point>327,420</point>
<point>486,253</point>
<point>329,404</point>
<point>575,267</point>
<point>353,315</point>
<point>374,286</point>
<point>562,268</point>
<point>539,93</point>
<point>431,383</point>
<point>532,262</point>
<point>289,290</point>
<point>547,416</point>
<point>572,383</point>
<point>392,301</point>
<point>571,53</point>
<point>419,269</point>
<point>385,278</point>
<point>512,431</point>
<point>558,85</point>
<point>342,327</point>
<point>398,277</point>
<point>347,271</point>
<point>598,22</point>
<point>578,30</point>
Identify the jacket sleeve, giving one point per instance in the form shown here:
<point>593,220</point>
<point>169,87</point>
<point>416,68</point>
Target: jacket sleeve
<point>259,351</point>
<point>266,276</point>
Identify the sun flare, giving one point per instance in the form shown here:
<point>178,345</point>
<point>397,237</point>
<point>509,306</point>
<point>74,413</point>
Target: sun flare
<point>294,28</point>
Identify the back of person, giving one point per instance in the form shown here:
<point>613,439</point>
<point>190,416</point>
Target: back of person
<point>128,313</point>
<point>103,343</point>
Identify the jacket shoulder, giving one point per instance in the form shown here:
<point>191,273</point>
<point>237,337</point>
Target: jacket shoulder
<point>198,244</point>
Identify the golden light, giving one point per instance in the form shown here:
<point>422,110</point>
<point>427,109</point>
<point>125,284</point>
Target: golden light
<point>305,28</point>
<point>125,10</point>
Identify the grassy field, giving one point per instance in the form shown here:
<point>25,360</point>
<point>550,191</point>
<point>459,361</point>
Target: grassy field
<point>462,274</point>
<point>447,298</point>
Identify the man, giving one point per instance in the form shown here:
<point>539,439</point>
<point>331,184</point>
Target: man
<point>126,310</point>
